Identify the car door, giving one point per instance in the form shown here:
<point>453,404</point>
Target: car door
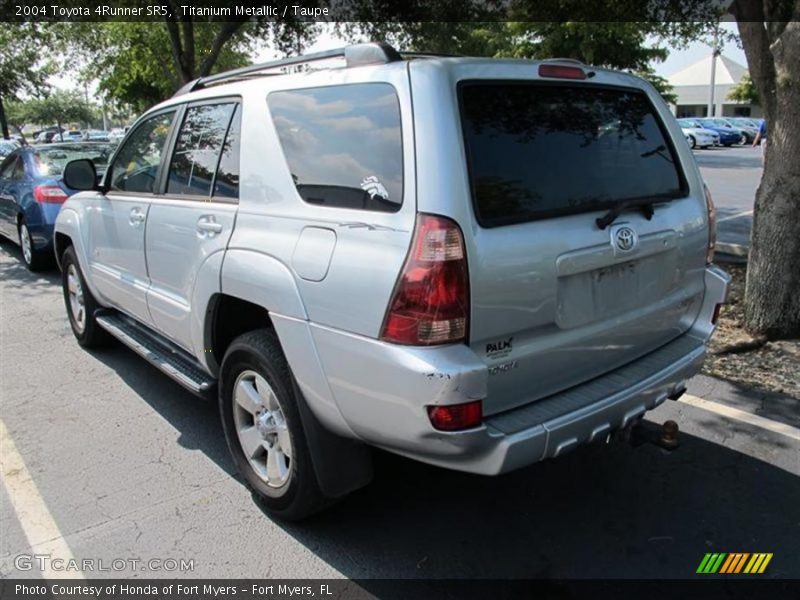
<point>8,210</point>
<point>116,221</point>
<point>189,226</point>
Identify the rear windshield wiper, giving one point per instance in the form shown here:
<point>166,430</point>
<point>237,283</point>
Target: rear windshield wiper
<point>646,206</point>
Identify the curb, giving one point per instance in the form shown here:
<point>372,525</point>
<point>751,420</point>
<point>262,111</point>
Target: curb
<point>731,253</point>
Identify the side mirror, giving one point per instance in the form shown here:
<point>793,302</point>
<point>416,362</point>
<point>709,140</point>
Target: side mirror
<point>80,175</point>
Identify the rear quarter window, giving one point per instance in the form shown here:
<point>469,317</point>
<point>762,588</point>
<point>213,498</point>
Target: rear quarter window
<point>343,144</point>
<point>539,150</point>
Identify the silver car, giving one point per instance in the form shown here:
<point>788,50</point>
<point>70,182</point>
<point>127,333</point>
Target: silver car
<point>475,263</point>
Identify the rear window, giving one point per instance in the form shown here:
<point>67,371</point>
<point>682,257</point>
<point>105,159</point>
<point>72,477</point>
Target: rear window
<point>50,161</point>
<point>541,150</point>
<point>343,144</point>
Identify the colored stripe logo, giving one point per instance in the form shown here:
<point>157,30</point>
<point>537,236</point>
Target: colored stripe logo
<point>734,562</point>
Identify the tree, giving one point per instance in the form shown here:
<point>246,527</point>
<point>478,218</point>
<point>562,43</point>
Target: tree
<point>617,45</point>
<point>770,33</point>
<point>59,107</point>
<point>22,66</point>
<point>744,91</point>
<point>140,63</point>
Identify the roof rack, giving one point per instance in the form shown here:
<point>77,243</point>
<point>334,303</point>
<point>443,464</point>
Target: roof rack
<point>356,55</point>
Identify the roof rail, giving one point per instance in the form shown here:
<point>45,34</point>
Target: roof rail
<point>355,55</point>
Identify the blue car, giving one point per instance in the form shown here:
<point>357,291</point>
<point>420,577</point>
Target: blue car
<point>727,136</point>
<point>32,192</point>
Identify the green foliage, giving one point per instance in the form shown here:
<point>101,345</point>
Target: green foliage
<point>744,91</point>
<point>24,67</point>
<point>56,108</point>
<point>141,64</point>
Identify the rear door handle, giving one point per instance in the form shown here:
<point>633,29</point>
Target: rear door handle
<point>136,217</point>
<point>208,224</point>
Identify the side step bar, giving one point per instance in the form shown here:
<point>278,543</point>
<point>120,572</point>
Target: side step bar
<point>159,352</point>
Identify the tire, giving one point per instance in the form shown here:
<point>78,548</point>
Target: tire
<point>694,142</point>
<point>258,407</point>
<point>80,303</point>
<point>34,259</point>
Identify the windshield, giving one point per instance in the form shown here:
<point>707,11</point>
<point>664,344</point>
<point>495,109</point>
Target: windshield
<point>540,150</point>
<point>50,161</point>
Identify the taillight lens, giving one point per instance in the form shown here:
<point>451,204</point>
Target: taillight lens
<point>561,72</point>
<point>712,226</point>
<point>430,303</point>
<point>49,194</point>
<point>455,417</point>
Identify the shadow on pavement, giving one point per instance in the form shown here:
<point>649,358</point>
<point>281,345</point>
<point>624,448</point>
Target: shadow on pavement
<point>599,512</point>
<point>15,274</point>
<point>717,159</point>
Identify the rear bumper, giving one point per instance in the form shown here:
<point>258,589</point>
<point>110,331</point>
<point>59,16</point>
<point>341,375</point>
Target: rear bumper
<point>382,391</point>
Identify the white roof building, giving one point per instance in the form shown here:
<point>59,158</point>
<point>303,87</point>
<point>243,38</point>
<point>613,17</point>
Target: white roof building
<point>692,85</point>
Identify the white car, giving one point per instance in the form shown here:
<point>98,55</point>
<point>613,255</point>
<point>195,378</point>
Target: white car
<point>700,138</point>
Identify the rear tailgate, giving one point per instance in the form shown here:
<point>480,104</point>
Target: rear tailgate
<point>556,299</point>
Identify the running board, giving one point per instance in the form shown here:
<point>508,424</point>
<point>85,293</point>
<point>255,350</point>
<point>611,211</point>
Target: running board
<point>159,352</point>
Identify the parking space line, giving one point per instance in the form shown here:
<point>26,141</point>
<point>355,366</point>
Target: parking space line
<point>37,523</point>
<point>736,216</point>
<point>744,417</point>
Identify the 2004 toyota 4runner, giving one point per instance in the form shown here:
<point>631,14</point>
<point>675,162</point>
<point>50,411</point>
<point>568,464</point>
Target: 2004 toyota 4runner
<point>475,263</point>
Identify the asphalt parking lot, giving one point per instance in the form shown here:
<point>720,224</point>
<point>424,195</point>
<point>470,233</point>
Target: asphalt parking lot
<point>103,458</point>
<point>732,175</point>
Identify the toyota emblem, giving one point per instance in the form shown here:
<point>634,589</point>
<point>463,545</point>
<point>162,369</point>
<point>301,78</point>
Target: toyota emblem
<point>625,239</point>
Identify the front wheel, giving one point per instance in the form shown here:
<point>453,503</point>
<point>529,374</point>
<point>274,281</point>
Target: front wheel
<point>263,428</point>
<point>692,142</point>
<point>80,303</point>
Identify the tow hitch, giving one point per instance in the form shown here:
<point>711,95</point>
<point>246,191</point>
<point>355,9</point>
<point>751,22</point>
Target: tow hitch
<point>640,432</point>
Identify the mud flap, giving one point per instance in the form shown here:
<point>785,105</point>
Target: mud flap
<point>340,465</point>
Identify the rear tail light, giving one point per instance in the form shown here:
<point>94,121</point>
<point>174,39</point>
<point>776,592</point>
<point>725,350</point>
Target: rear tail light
<point>561,72</point>
<point>430,303</point>
<point>455,417</point>
<point>49,194</point>
<point>712,226</point>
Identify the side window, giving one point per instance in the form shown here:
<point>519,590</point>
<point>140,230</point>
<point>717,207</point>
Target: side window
<point>136,166</point>
<point>19,169</point>
<point>227,183</point>
<point>198,148</point>
<point>343,144</point>
<point>8,167</point>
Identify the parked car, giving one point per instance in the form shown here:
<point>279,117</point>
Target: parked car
<point>748,128</point>
<point>700,137</point>
<point>728,134</point>
<point>73,136</point>
<point>32,192</point>
<point>727,138</point>
<point>116,134</point>
<point>367,286</point>
<point>94,135</point>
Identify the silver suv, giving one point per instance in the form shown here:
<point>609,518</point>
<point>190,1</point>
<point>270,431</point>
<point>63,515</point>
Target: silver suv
<point>475,263</point>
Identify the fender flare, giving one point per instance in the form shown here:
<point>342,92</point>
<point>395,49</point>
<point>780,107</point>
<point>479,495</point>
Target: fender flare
<point>68,223</point>
<point>342,464</point>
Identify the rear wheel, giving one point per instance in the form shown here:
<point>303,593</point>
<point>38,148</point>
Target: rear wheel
<point>34,259</point>
<point>80,303</point>
<point>263,429</point>
<point>693,142</point>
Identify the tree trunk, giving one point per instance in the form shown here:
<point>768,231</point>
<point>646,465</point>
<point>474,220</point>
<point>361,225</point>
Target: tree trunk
<point>772,294</point>
<point>3,122</point>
